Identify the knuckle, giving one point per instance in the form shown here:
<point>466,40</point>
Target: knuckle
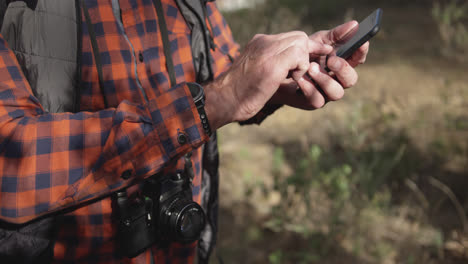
<point>304,55</point>
<point>297,51</point>
<point>304,39</point>
<point>303,35</point>
<point>321,32</point>
<point>303,63</point>
<point>298,32</point>
<point>258,36</point>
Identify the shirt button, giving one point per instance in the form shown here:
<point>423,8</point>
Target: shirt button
<point>140,56</point>
<point>182,138</point>
<point>126,174</point>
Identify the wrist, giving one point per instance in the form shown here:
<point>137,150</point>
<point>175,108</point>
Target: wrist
<point>217,105</point>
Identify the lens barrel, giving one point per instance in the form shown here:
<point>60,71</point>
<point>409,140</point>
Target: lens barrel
<point>185,220</point>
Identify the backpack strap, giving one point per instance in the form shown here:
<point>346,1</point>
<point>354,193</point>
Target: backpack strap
<point>79,54</point>
<point>166,44</point>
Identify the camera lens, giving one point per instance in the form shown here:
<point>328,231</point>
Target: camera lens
<point>191,224</point>
<point>186,221</point>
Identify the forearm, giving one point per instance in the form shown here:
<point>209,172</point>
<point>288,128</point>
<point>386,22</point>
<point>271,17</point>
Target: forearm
<point>220,109</point>
<point>50,162</point>
<point>54,161</point>
<point>219,106</point>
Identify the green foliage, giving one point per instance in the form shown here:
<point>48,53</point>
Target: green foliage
<point>314,171</point>
<point>354,173</point>
<point>315,10</point>
<point>278,160</point>
<point>276,257</point>
<point>341,188</point>
<point>451,19</point>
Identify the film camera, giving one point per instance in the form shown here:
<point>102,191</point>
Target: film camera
<point>163,213</point>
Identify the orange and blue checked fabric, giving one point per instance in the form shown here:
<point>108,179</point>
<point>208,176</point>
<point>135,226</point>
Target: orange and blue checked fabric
<point>50,162</point>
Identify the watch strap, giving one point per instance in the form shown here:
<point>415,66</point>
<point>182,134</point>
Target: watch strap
<point>198,96</point>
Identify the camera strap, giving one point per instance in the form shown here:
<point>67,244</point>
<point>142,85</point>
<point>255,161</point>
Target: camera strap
<point>188,168</point>
<point>166,43</point>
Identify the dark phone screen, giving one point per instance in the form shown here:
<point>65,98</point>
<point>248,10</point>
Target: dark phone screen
<point>367,29</point>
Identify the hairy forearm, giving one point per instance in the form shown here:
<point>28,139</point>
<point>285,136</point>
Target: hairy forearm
<point>219,105</point>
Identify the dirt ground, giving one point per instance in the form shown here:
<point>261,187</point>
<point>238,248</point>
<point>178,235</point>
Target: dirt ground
<point>388,180</point>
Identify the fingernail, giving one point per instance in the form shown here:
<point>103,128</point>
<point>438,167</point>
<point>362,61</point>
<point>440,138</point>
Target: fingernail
<point>327,46</point>
<point>314,68</point>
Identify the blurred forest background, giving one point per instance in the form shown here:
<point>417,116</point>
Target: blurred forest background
<point>378,177</point>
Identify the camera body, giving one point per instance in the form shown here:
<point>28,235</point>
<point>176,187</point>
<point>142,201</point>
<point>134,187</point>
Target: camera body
<point>163,213</point>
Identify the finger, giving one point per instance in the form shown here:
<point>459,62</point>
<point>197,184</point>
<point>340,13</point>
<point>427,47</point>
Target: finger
<point>313,47</point>
<point>339,34</point>
<point>306,87</point>
<point>296,60</point>
<point>286,40</point>
<point>316,97</point>
<point>345,74</point>
<point>359,56</point>
<point>291,97</point>
<point>319,36</point>
<point>318,49</point>
<point>293,41</point>
<point>333,90</point>
<point>300,71</point>
<point>315,50</point>
<point>304,94</point>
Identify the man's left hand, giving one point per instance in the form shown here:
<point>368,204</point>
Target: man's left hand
<point>332,85</point>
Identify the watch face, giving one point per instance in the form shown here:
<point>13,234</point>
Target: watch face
<point>197,92</point>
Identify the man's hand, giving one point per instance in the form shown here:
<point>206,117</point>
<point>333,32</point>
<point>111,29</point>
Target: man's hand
<point>342,73</point>
<point>256,75</point>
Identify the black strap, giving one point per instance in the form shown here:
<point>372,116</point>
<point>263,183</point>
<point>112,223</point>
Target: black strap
<point>165,38</point>
<point>30,3</point>
<point>79,53</point>
<point>96,52</point>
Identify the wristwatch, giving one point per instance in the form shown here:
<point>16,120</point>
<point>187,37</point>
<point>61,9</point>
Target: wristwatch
<point>198,96</point>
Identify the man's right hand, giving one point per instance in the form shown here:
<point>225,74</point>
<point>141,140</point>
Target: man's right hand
<point>266,62</point>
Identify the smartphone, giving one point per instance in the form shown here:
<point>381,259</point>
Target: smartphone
<point>368,28</point>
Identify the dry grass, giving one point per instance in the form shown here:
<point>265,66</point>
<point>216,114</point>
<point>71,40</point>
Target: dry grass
<point>408,101</point>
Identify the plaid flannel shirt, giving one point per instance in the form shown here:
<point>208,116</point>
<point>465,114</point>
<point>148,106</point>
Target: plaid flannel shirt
<point>50,162</point>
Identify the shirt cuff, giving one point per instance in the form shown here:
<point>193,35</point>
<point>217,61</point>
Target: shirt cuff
<point>177,121</point>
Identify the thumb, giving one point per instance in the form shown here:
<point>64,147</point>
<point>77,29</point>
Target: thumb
<point>341,33</point>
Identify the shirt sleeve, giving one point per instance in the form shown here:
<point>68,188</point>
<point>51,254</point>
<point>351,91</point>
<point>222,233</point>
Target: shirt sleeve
<point>50,162</point>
